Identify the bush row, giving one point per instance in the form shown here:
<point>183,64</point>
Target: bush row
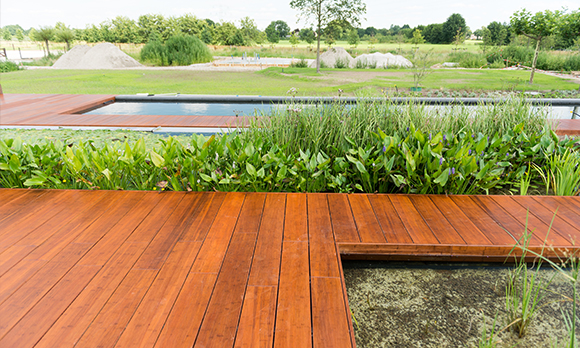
<point>409,161</point>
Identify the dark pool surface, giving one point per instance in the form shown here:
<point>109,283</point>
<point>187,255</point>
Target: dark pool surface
<point>182,109</point>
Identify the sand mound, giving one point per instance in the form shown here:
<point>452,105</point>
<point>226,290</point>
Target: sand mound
<point>72,57</point>
<point>101,56</point>
<point>381,60</point>
<point>330,57</point>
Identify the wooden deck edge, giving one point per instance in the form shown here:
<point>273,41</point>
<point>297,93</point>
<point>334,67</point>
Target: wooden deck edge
<point>447,253</point>
<point>90,105</point>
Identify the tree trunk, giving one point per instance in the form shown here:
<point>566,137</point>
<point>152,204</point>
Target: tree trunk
<point>47,49</point>
<point>68,46</point>
<point>535,60</point>
<point>318,51</point>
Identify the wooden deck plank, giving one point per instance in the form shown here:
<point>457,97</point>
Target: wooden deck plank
<point>106,328</point>
<point>42,316</point>
<point>393,228</point>
<point>296,222</point>
<point>145,326</point>
<point>441,228</point>
<point>412,220</point>
<point>485,223</point>
<point>323,258</point>
<point>265,269</point>
<point>201,219</point>
<point>182,326</point>
<point>342,219</point>
<point>468,231</point>
<point>367,224</point>
<point>504,219</point>
<point>329,323</point>
<point>226,302</point>
<point>535,225</point>
<point>559,225</point>
<point>256,327</point>
<point>293,321</point>
<point>561,208</point>
<point>216,243</point>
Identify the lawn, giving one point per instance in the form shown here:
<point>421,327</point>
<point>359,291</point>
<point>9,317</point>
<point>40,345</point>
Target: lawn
<point>272,81</point>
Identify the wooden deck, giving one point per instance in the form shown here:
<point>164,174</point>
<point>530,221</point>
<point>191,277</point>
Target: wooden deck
<point>176,269</point>
<point>58,110</point>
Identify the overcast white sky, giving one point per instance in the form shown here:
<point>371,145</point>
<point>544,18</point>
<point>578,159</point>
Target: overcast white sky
<point>380,13</point>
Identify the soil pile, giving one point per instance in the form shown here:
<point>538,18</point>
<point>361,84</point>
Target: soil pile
<point>101,56</point>
<point>330,58</point>
<point>381,60</point>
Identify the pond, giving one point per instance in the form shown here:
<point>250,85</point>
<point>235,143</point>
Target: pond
<point>443,305</point>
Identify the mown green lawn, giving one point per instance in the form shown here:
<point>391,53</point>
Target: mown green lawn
<point>272,81</point>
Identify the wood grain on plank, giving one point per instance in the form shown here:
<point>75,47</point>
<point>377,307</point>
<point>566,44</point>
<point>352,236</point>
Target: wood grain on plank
<point>393,228</point>
<point>413,221</point>
<point>367,224</point>
<point>293,325</point>
<point>323,258</point>
<point>329,323</point>
<point>256,327</point>
<point>441,228</point>
<point>296,222</point>
<point>343,223</point>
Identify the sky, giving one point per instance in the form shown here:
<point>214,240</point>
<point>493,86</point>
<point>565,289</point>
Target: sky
<point>380,13</point>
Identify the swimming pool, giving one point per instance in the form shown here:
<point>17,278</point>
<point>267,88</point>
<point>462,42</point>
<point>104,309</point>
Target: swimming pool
<point>181,109</point>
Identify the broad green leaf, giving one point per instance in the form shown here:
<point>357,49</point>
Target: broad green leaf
<point>251,169</point>
<point>34,181</point>
<point>442,178</point>
<point>156,158</point>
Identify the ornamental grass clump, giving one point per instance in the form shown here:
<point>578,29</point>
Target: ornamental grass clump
<point>177,50</point>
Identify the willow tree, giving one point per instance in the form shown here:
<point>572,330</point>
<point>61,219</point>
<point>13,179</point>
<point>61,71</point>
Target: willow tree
<point>536,27</point>
<point>44,34</point>
<point>322,12</point>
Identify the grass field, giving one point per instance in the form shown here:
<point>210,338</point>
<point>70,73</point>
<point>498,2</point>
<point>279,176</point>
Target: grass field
<point>272,81</point>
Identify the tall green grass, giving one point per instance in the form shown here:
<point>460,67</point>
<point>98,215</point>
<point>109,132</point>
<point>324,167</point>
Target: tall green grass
<point>337,127</point>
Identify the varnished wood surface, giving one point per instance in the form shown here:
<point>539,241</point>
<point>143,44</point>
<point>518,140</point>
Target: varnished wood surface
<point>176,269</point>
<point>62,110</point>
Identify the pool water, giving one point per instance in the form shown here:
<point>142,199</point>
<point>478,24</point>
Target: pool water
<point>181,109</point>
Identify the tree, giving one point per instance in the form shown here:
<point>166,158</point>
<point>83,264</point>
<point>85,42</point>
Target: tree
<point>459,38</point>
<point>294,40</point>
<point>321,12</point>
<point>417,37</point>
<point>125,30</point>
<point>454,23</point>
<point>228,34</point>
<point>433,33</point>
<point>63,33</point>
<point>249,29</point>
<point>486,37</point>
<point>353,39</point>
<point>478,33</point>
<point>307,34</point>
<point>6,35</point>
<point>207,35</point>
<point>536,27</point>
<point>570,28</point>
<point>281,28</point>
<point>271,34</point>
<point>19,35</point>
<point>44,34</point>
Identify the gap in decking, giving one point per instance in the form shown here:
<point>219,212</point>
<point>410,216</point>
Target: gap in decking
<point>438,304</point>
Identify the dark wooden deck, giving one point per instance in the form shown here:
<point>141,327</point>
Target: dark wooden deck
<point>175,269</point>
<point>55,110</point>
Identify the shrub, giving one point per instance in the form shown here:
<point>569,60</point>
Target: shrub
<point>8,66</point>
<point>341,64</point>
<point>302,63</point>
<point>178,50</point>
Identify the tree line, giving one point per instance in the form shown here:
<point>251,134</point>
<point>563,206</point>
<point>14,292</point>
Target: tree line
<point>245,32</point>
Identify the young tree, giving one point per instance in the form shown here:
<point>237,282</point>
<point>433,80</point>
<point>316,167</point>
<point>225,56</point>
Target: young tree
<point>294,40</point>
<point>249,29</point>
<point>307,34</point>
<point>19,35</point>
<point>417,38</point>
<point>64,34</point>
<point>353,39</point>
<point>44,34</point>
<point>486,37</point>
<point>459,38</point>
<point>536,27</point>
<point>321,12</point>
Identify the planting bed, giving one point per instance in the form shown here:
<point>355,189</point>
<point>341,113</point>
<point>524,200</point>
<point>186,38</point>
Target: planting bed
<point>444,305</point>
